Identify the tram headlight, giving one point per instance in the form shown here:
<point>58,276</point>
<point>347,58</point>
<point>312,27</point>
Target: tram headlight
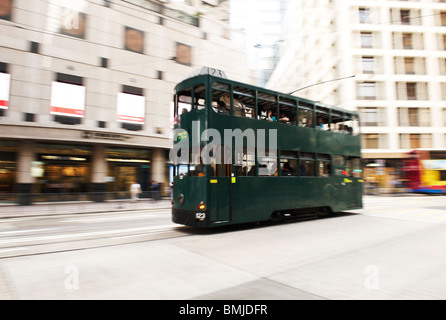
<point>201,206</point>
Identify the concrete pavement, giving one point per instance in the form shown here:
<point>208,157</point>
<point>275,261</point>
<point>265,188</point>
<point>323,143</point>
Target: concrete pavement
<point>79,207</point>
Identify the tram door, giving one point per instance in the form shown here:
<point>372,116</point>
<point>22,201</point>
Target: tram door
<point>221,198</point>
<point>221,191</point>
<point>354,181</point>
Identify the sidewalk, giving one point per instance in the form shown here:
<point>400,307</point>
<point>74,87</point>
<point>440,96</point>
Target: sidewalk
<point>79,207</point>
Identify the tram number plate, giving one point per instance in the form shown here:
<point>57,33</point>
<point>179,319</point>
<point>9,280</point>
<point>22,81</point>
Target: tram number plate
<point>200,216</point>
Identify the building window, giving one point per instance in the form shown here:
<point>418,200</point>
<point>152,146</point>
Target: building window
<point>405,16</point>
<point>414,117</point>
<point>183,54</point>
<point>415,141</point>
<point>409,65</point>
<point>372,116</point>
<point>6,9</point>
<point>367,90</point>
<point>442,62</point>
<point>73,23</point>
<point>366,40</point>
<point>370,141</point>
<point>407,41</point>
<point>444,117</point>
<point>134,40</point>
<point>364,15</point>
<point>412,91</point>
<point>443,18</point>
<point>368,65</point>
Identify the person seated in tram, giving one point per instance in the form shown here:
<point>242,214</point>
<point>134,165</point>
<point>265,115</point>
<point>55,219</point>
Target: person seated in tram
<point>221,108</point>
<point>239,109</point>
<point>309,123</point>
<point>320,123</point>
<point>283,118</point>
<point>270,117</point>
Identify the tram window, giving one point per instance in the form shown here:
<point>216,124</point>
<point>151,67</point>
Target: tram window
<point>337,121</point>
<point>351,125</point>
<point>267,162</point>
<point>324,167</point>
<point>266,103</point>
<point>322,118</point>
<point>338,160</point>
<point>182,170</point>
<point>197,168</point>
<point>349,168</point>
<point>356,168</point>
<point>184,103</point>
<point>306,115</point>
<point>245,162</point>
<point>289,163</point>
<point>307,164</point>
<point>287,111</point>
<point>199,97</point>
<point>244,102</point>
<point>218,167</point>
<point>221,98</point>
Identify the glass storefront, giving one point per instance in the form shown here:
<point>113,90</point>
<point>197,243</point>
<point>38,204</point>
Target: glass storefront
<point>62,168</point>
<point>8,166</point>
<point>126,166</point>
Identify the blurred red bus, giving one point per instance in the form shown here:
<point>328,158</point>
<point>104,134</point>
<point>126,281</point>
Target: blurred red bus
<point>425,171</point>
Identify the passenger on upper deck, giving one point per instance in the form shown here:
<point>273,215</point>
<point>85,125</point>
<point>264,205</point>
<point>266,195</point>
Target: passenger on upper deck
<point>221,108</point>
<point>283,118</point>
<point>320,123</point>
<point>270,116</point>
<point>238,107</point>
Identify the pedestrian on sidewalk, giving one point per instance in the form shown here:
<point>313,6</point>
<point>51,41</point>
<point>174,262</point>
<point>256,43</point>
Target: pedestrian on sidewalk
<point>135,190</point>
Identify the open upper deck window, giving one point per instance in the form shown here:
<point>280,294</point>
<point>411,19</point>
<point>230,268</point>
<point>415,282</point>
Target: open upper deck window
<point>306,115</point>
<point>221,98</point>
<point>267,106</point>
<point>287,111</point>
<point>244,102</point>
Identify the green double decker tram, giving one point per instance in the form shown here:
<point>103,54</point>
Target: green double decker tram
<point>247,154</point>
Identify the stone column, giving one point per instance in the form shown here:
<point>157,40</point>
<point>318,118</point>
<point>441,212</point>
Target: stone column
<point>99,170</point>
<point>159,168</point>
<point>25,180</point>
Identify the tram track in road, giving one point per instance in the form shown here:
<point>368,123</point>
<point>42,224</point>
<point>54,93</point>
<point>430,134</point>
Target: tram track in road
<point>33,236</point>
<point>35,245</point>
<point>41,235</point>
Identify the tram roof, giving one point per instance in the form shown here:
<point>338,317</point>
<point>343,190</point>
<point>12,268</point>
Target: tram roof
<point>207,77</point>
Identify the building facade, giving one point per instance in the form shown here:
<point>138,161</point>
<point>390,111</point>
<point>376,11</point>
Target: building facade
<point>86,88</point>
<point>396,51</point>
<point>262,22</point>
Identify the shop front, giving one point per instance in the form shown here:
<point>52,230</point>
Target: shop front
<point>61,169</point>
<point>8,167</point>
<point>37,171</point>
<point>126,166</point>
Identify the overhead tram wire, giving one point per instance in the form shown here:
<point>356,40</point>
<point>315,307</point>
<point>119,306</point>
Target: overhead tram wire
<point>323,82</point>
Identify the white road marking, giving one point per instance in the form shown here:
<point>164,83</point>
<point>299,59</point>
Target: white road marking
<point>85,234</point>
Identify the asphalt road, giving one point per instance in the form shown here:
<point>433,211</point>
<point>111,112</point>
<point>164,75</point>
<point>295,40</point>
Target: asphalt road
<point>392,249</point>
